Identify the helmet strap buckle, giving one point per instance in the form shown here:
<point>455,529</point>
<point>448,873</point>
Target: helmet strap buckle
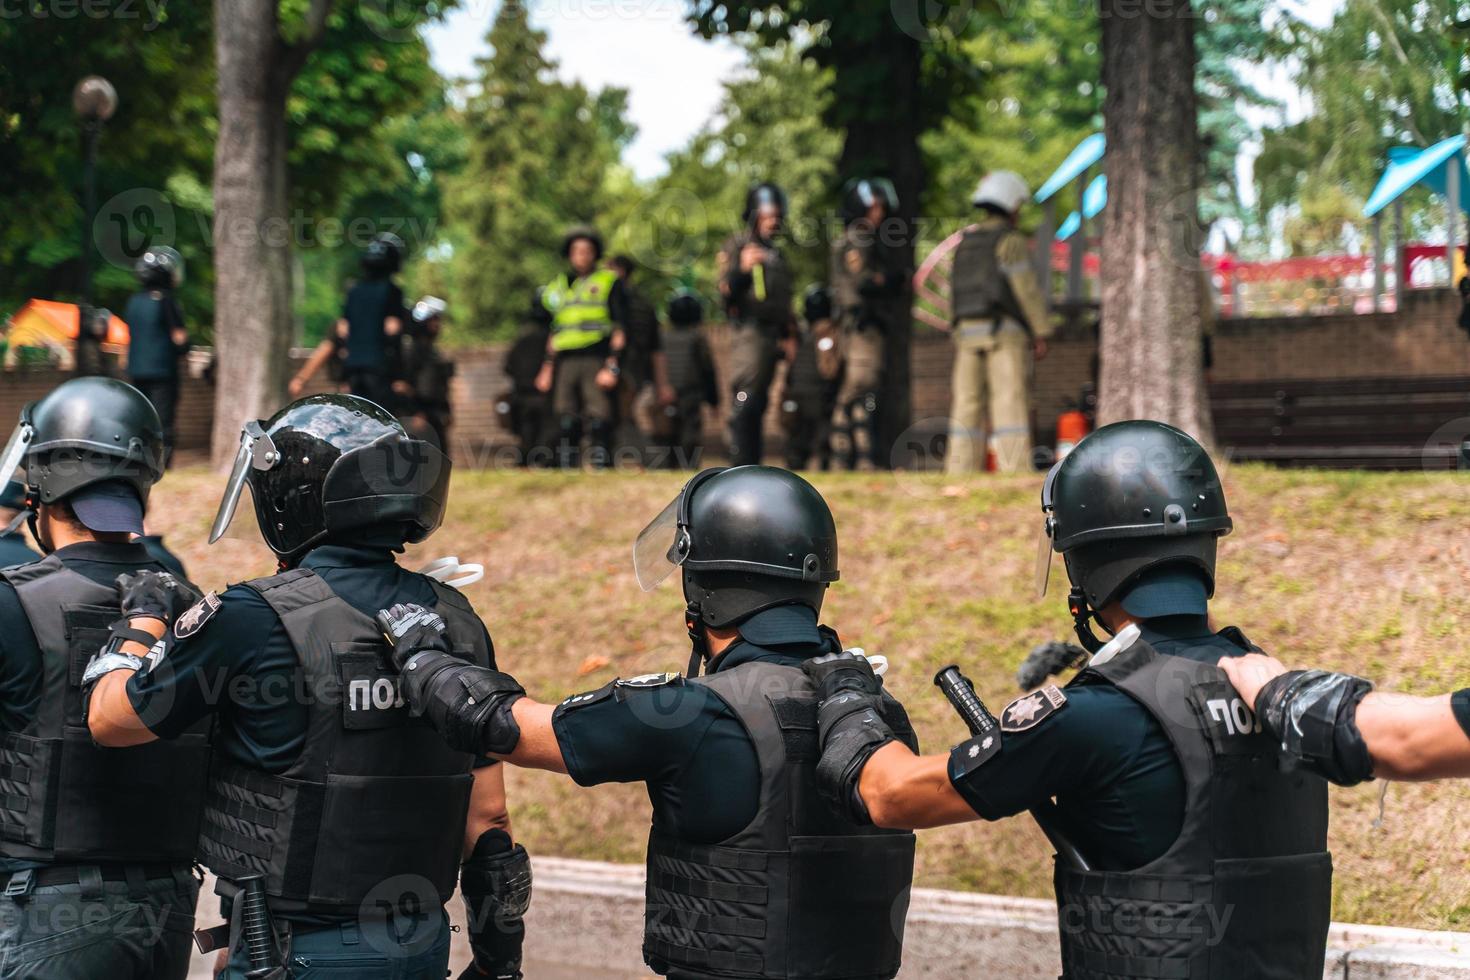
<point>698,642</point>
<point>1082,616</point>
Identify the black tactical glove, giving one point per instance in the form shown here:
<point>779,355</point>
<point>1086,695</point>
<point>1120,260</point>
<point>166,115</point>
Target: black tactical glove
<point>1313,715</point>
<point>850,726</point>
<point>496,885</point>
<point>470,706</point>
<point>155,595</point>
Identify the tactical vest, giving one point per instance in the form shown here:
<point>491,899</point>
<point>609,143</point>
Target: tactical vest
<point>375,796</point>
<point>978,286</point>
<point>1246,888</point>
<point>767,302</point>
<point>799,893</point>
<point>579,310</point>
<point>151,352</point>
<point>686,365</point>
<point>64,799</point>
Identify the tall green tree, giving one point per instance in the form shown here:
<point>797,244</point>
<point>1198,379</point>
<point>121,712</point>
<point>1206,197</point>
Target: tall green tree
<point>541,155</point>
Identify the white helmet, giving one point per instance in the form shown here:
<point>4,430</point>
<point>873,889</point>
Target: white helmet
<point>1003,189</point>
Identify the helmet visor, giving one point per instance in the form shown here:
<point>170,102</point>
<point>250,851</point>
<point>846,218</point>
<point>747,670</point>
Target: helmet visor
<point>657,551</point>
<point>1044,541</point>
<point>256,452</point>
<point>15,449</point>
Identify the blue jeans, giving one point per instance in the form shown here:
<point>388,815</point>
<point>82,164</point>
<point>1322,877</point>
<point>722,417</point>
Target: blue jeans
<point>77,932</point>
<point>399,948</point>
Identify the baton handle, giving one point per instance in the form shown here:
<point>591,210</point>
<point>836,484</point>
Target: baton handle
<point>255,926</point>
<point>977,718</point>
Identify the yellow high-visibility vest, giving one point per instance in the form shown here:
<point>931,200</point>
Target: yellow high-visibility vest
<point>579,313</point>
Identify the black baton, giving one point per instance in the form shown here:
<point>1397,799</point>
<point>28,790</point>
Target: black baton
<point>977,718</point>
<point>256,931</point>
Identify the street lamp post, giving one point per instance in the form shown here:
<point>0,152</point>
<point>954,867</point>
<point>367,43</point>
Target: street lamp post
<point>94,100</point>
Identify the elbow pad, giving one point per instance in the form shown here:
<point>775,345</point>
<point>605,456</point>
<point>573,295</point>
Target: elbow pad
<point>851,728</point>
<point>1312,715</point>
<point>470,706</point>
<point>496,885</point>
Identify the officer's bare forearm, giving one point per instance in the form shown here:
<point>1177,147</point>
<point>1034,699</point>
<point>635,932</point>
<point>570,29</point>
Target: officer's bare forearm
<point>903,791</point>
<point>110,715</point>
<point>1412,738</point>
<point>487,807</point>
<point>537,747</point>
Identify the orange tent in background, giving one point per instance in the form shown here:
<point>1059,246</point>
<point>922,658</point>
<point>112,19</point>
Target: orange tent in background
<point>43,323</point>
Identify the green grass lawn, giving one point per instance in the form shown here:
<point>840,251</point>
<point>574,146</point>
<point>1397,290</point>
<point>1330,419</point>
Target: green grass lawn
<point>1355,571</point>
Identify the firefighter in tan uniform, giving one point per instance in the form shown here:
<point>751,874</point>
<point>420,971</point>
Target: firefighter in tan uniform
<point>998,317</point>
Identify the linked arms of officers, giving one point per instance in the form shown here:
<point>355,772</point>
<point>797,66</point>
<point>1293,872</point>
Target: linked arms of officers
<point>865,771</point>
<point>1336,726</point>
<point>476,709</point>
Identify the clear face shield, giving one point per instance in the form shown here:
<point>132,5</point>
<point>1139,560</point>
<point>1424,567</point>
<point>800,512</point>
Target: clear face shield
<point>1044,550</point>
<point>257,452</point>
<point>663,545</point>
<point>15,449</point>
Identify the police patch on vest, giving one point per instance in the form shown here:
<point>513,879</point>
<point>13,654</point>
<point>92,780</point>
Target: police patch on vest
<point>1024,714</point>
<point>647,680</point>
<point>370,695</point>
<point>194,618</point>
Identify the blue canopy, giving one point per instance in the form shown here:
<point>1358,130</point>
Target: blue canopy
<point>1094,198</point>
<point>1084,155</point>
<point>1410,165</point>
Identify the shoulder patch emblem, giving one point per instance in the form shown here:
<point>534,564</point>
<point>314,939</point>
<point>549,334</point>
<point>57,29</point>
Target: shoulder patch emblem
<point>648,680</point>
<point>196,616</point>
<point>1024,714</point>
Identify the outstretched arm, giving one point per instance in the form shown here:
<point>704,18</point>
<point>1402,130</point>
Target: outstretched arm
<point>903,791</point>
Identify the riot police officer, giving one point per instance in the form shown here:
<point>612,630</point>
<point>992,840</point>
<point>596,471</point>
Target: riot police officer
<point>756,285</point>
<point>13,547</point>
<point>428,372</point>
<point>157,337</point>
<point>750,875</point>
<point>1189,853</point>
<point>691,373</point>
<point>95,846</point>
<point>869,291</point>
<point>311,737</point>
<point>526,408</point>
<point>1336,725</point>
<point>813,377</point>
<point>583,356</point>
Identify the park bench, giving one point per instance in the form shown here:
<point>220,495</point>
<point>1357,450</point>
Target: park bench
<point>1405,423</point>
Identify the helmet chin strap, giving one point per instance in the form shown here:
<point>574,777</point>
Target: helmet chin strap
<point>1082,617</point>
<point>698,641</point>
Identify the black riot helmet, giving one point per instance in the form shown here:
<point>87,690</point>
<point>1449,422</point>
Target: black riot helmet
<point>861,194</point>
<point>816,303</point>
<point>338,467</point>
<point>761,196</point>
<point>86,431</point>
<point>577,232</point>
<point>1131,498</point>
<point>685,309</point>
<point>383,256</point>
<point>160,268</point>
<point>746,539</point>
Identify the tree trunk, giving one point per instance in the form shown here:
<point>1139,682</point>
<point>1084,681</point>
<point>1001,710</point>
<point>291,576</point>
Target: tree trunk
<point>252,227</point>
<point>1151,283</point>
<point>887,147</point>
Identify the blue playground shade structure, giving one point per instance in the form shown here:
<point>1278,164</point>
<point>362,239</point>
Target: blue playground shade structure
<point>1083,155</point>
<point>1410,165</point>
<point>1094,198</point>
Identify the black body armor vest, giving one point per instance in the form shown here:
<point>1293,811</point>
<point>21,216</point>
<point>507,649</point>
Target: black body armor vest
<point>799,893</point>
<point>979,289</point>
<point>375,794</point>
<point>769,304</point>
<point>63,798</point>
<point>1246,888</point>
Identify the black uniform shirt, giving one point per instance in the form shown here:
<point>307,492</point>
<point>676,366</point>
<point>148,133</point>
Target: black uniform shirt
<point>15,551</point>
<point>241,664</point>
<point>369,304</point>
<point>152,316</point>
<point>1461,703</point>
<point>681,739</point>
<point>1110,766</point>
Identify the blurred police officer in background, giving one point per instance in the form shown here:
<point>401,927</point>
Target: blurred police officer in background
<point>1191,853</point>
<point>370,330</point>
<point>756,285</point>
<point>357,814</point>
<point>1337,726</point>
<point>998,313</point>
<point>645,374</point>
<point>750,874</point>
<point>809,395</point>
<point>158,339</point>
<point>95,846</point>
<point>691,373</point>
<point>13,547</point>
<point>527,409</point>
<point>583,356</point>
<point>869,292</point>
<point>428,372</point>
